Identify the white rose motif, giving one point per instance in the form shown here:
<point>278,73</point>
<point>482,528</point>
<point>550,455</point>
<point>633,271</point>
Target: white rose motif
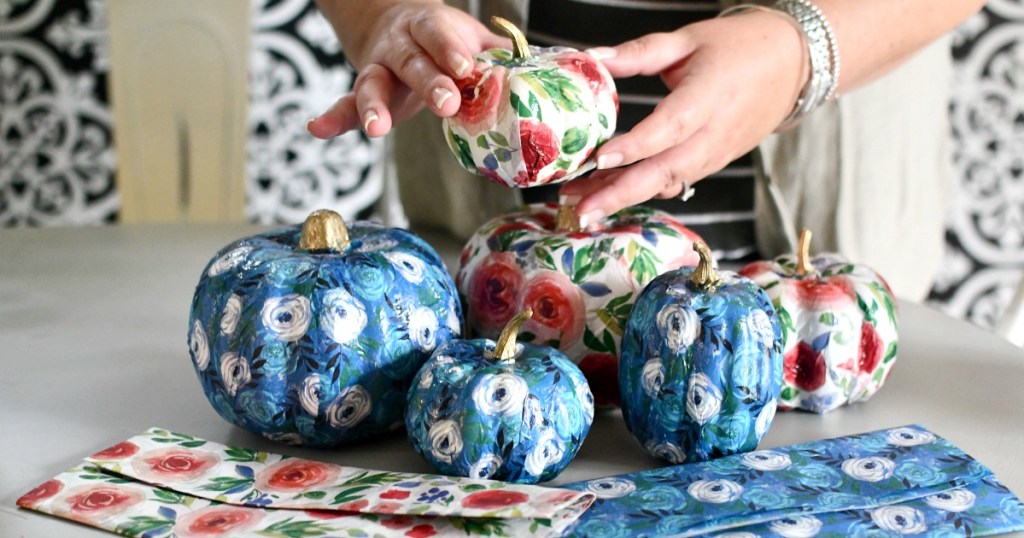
<point>445,440</point>
<point>652,377</point>
<point>234,370</point>
<point>533,415</point>
<point>666,451</point>
<point>350,407</point>
<point>501,394</point>
<point>232,311</point>
<point>287,316</point>
<point>703,399</point>
<point>611,488</point>
<point>229,260</point>
<point>199,346</point>
<point>427,378</point>
<point>549,450</point>
<point>343,317</point>
<point>423,328</point>
<point>765,417</point>
<point>679,325</point>
<point>411,267</point>
<point>309,396</point>
<point>766,460</point>
<point>899,519</point>
<point>954,500</point>
<point>796,526</point>
<point>486,466</point>
<point>870,469</point>
<point>715,491</point>
<point>586,397</point>
<point>454,323</point>
<point>908,437</point>
<point>761,326</point>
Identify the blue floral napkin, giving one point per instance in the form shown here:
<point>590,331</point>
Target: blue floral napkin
<point>902,481</point>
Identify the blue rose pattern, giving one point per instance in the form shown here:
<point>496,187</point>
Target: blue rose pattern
<point>904,481</point>
<point>319,348</point>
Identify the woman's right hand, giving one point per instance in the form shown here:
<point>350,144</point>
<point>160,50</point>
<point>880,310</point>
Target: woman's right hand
<point>408,54</point>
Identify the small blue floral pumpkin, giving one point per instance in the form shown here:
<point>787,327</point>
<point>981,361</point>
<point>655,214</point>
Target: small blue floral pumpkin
<point>312,336</point>
<point>701,364</point>
<point>505,411</point>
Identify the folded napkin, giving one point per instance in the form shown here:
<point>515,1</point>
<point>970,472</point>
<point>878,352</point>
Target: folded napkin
<point>901,481</point>
<point>163,483</point>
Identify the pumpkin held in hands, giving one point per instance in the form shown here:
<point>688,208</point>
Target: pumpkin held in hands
<point>701,364</point>
<point>839,325</point>
<point>532,115</point>
<point>507,411</point>
<point>312,336</point>
<point>580,284</point>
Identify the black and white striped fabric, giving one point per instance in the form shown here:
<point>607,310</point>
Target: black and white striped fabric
<point>722,209</point>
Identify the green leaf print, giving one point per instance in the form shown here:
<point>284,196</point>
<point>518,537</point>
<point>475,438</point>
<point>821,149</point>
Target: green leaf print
<point>602,120</point>
<point>890,352</point>
<point>225,483</point>
<point>296,529</point>
<point>244,455</point>
<point>461,148</point>
<point>169,497</point>
<point>374,479</point>
<point>148,525</point>
<point>480,526</point>
<point>575,140</point>
<point>644,265</point>
<point>519,106</point>
<point>350,494</point>
<point>535,107</point>
<point>498,138</point>
<point>481,142</point>
<point>544,258</point>
<point>591,341</point>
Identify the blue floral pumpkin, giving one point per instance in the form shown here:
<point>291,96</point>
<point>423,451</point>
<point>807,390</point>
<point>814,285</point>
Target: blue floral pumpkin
<point>701,364</point>
<point>505,411</point>
<point>312,336</point>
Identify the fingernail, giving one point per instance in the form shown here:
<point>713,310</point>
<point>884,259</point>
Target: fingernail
<point>459,64</point>
<point>602,53</point>
<point>591,217</point>
<point>370,117</point>
<point>610,160</point>
<point>569,199</point>
<point>309,124</point>
<point>440,96</point>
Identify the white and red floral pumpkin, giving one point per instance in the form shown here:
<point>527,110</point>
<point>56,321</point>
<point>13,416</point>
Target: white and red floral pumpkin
<point>581,285</point>
<point>839,324</point>
<point>532,115</point>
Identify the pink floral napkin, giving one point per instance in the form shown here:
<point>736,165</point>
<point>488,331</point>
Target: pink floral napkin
<point>168,484</point>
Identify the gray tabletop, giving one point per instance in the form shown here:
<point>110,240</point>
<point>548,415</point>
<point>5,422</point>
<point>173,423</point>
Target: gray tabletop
<point>93,350</point>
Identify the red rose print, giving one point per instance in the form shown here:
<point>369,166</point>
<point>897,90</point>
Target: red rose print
<point>493,498</point>
<point>396,522</point>
<point>494,292</point>
<point>395,494</point>
<point>870,349</point>
<point>421,531</point>
<point>296,475</point>
<point>755,269</point>
<point>602,373</point>
<point>546,219</point>
<point>329,514</point>
<point>556,498</point>
<point>40,493</point>
<point>173,464</point>
<point>117,452</point>
<point>585,65</point>
<point>539,145</point>
<point>558,309</point>
<point>482,93</point>
<point>354,506</point>
<point>386,507</point>
<point>217,520</point>
<point>804,367</point>
<point>824,293</point>
<point>95,503</point>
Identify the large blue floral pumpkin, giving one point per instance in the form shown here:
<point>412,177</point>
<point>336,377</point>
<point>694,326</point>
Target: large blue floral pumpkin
<point>312,336</point>
<point>505,411</point>
<point>701,364</point>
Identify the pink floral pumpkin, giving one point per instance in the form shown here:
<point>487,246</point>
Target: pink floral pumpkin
<point>839,327</point>
<point>581,285</point>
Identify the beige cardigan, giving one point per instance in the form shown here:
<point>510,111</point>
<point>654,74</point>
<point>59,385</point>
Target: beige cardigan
<point>869,173</point>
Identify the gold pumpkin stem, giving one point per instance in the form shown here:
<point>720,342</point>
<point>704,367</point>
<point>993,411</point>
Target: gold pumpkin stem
<point>803,255</point>
<point>704,276</point>
<point>520,48</point>
<point>505,349</point>
<point>324,230</point>
<point>566,220</point>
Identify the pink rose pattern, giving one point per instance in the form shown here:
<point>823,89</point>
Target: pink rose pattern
<point>301,497</point>
<point>581,286</point>
<point>839,328</point>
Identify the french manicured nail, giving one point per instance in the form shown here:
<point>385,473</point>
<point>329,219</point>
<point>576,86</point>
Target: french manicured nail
<point>309,124</point>
<point>370,117</point>
<point>602,53</point>
<point>590,217</point>
<point>459,64</point>
<point>610,160</point>
<point>440,96</point>
<point>569,199</point>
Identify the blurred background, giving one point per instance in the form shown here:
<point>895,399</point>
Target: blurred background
<point>209,92</point>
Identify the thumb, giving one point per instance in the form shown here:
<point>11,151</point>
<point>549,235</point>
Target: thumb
<point>647,55</point>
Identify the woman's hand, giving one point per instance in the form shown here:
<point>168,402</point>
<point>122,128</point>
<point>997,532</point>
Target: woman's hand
<point>733,80</point>
<point>407,54</point>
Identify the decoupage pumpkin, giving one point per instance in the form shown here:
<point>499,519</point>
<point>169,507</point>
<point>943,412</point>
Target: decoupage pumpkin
<point>532,115</point>
<point>312,336</point>
<point>580,284</point>
<point>839,325</point>
<point>507,411</point>
<point>701,364</point>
